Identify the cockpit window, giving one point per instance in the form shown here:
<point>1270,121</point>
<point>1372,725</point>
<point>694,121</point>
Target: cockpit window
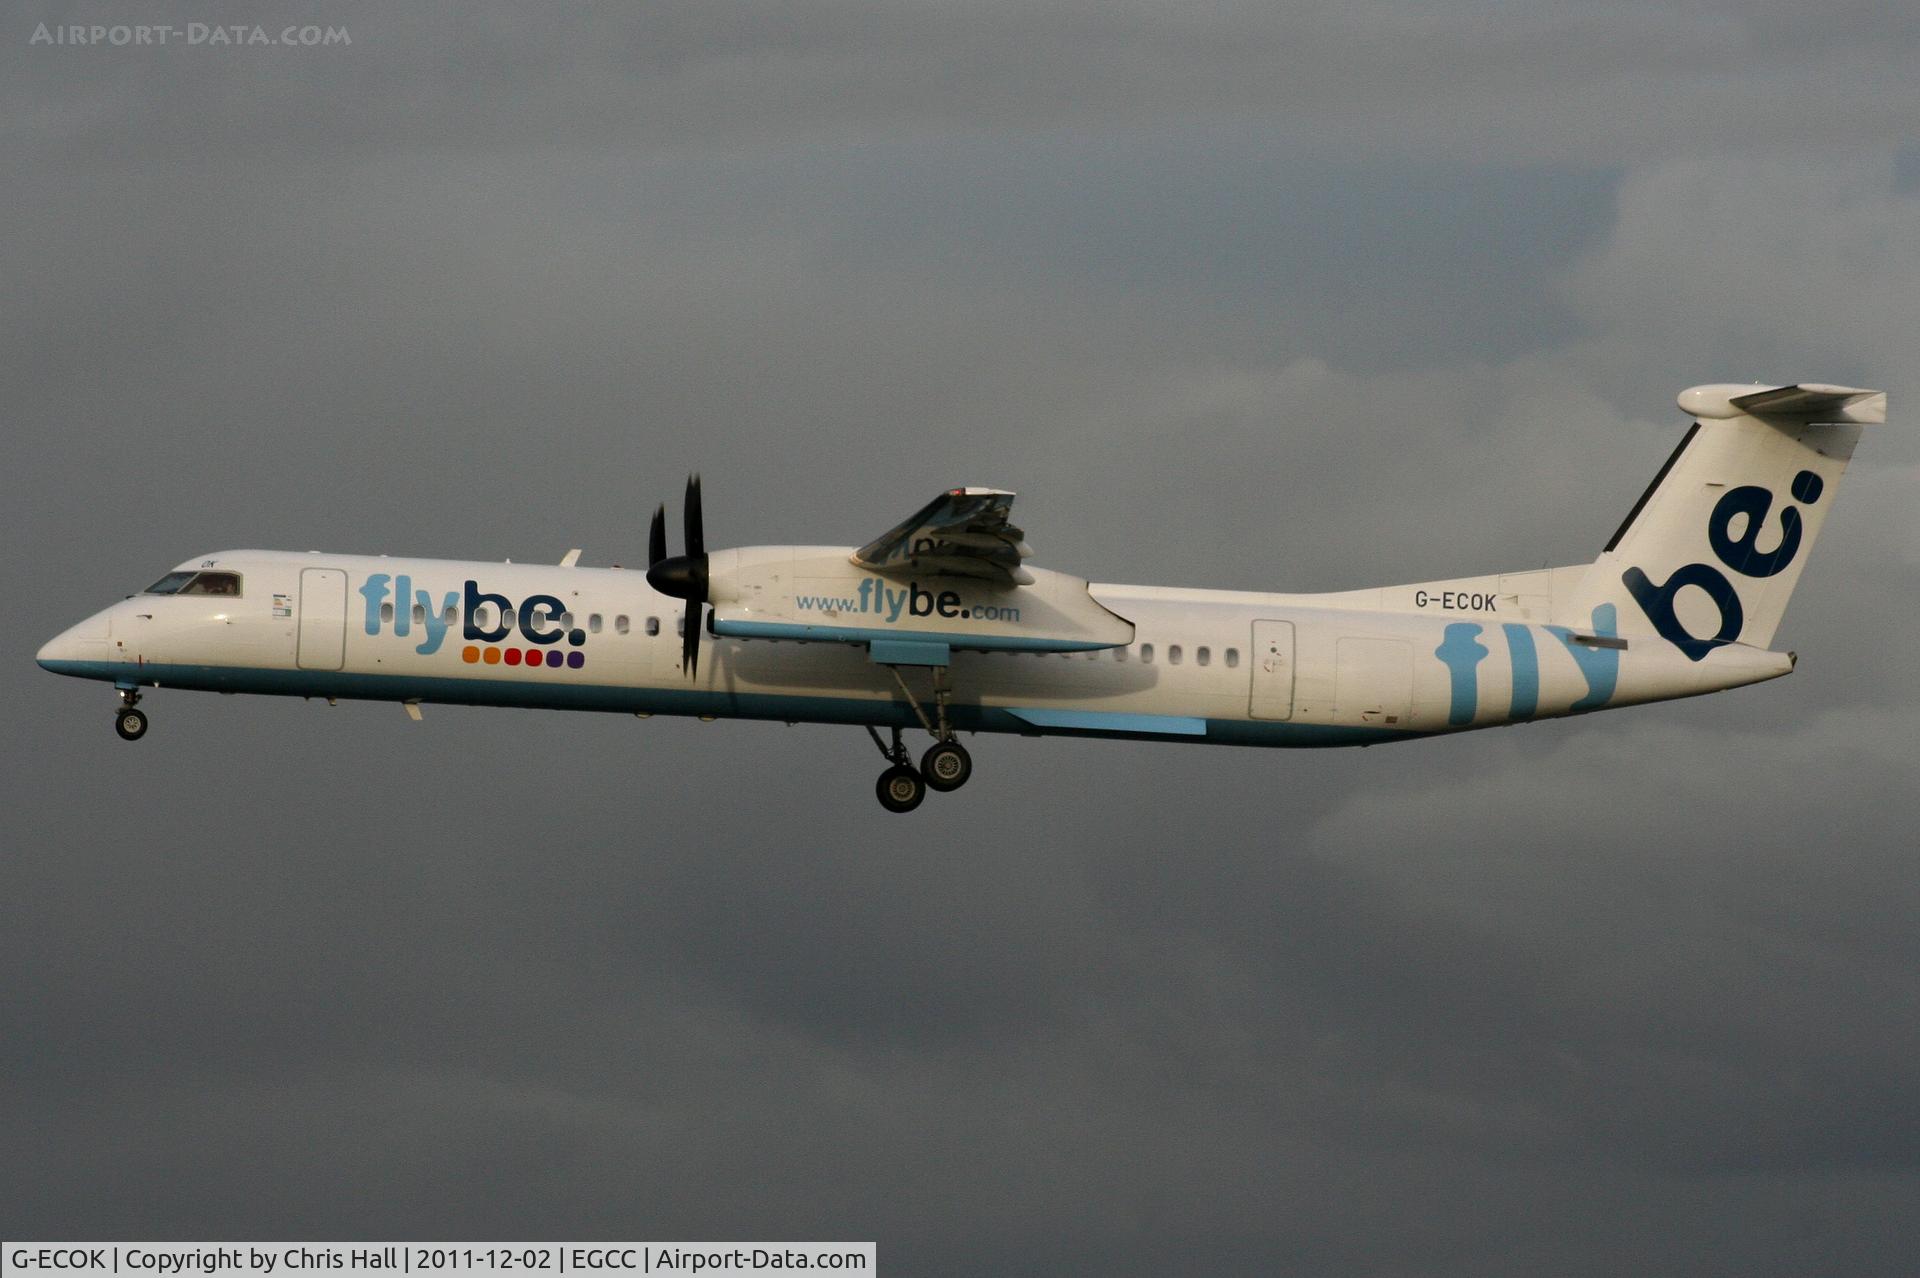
<point>170,584</point>
<point>213,583</point>
<point>196,583</point>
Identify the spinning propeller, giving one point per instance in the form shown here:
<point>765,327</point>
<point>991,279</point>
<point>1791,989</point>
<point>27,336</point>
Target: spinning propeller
<point>683,576</point>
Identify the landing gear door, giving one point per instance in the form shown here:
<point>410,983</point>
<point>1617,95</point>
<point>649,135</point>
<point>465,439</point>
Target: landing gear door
<point>323,619</point>
<point>1272,670</point>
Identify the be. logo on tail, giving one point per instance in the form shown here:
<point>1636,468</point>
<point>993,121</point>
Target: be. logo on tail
<point>1741,553</point>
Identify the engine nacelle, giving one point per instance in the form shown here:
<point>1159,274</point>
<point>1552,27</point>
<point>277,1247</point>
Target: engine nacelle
<point>818,594</point>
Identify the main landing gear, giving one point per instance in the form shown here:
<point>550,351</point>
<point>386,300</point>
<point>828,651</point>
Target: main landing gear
<point>902,786</point>
<point>945,766</point>
<point>130,723</point>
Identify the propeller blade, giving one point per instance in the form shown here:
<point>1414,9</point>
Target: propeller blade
<point>695,525</point>
<point>657,537</point>
<point>684,576</point>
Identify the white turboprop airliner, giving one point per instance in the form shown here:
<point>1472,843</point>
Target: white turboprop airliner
<point>941,624</point>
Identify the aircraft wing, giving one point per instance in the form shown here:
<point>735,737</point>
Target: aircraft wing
<point>964,532</point>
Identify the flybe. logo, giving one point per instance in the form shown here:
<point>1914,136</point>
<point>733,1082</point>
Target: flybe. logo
<point>881,602</point>
<point>1741,553</point>
<point>395,601</point>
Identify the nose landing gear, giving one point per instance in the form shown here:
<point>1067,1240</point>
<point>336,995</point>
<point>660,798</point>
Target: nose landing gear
<point>129,722</point>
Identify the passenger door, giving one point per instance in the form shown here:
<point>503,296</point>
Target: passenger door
<point>1272,670</point>
<point>323,619</point>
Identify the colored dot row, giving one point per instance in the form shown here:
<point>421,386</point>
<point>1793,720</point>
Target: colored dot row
<point>522,657</point>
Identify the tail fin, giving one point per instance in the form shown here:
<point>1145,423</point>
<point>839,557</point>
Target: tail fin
<point>1715,545</point>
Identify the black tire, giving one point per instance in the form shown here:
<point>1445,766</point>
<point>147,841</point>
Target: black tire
<point>130,724</point>
<point>946,766</point>
<point>900,789</point>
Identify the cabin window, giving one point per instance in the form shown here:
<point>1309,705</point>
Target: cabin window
<point>1233,658</point>
<point>1173,654</point>
<point>483,617</point>
<point>620,624</point>
<point>653,625</point>
<point>566,619</point>
<point>1202,656</point>
<point>386,611</point>
<point>419,614</point>
<point>447,614</point>
<point>506,618</point>
<point>593,623</point>
<point>1146,653</point>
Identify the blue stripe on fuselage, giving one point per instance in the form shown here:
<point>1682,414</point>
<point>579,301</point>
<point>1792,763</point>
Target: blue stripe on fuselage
<point>554,695</point>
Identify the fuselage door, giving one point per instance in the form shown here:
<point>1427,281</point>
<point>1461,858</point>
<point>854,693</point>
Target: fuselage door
<point>1272,670</point>
<point>323,619</point>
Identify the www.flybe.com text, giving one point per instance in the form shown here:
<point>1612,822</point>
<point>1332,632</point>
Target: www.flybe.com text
<point>876,599</point>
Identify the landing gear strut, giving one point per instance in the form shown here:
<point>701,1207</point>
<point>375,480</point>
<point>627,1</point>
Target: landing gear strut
<point>130,723</point>
<point>946,766</point>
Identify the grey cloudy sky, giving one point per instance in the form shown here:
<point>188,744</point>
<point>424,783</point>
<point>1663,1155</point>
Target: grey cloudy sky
<point>1243,295</point>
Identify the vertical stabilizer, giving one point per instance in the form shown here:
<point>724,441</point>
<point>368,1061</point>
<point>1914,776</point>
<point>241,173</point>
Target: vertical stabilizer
<point>1716,544</point>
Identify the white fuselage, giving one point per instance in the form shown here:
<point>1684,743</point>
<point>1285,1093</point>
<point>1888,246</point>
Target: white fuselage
<point>1203,665</point>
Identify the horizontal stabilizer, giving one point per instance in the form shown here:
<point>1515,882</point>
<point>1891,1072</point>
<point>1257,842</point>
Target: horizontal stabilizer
<point>1806,401</point>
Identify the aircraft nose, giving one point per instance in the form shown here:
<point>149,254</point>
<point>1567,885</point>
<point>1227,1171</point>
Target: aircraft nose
<point>84,642</point>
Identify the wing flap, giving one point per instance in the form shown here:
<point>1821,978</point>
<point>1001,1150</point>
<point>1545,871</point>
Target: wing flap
<point>964,532</point>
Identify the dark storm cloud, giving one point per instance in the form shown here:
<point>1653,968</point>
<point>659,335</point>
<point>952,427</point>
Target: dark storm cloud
<point>1235,296</point>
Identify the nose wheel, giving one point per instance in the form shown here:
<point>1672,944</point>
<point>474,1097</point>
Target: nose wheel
<point>130,722</point>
